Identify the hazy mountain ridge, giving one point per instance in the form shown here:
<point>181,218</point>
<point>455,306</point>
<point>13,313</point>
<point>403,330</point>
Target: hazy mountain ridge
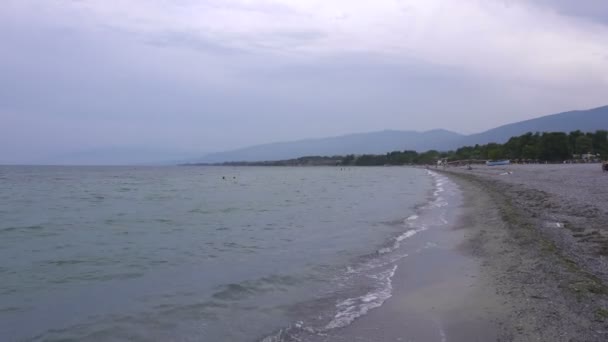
<point>358,143</point>
<point>391,140</point>
<point>584,120</point>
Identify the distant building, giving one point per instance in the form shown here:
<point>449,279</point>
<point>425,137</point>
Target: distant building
<point>590,156</point>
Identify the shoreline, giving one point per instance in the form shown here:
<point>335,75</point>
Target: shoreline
<point>495,276</point>
<point>438,290</point>
<point>407,255</point>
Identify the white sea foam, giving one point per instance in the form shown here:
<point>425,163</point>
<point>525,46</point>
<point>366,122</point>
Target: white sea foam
<point>443,336</point>
<point>412,218</point>
<point>374,264</point>
<point>439,203</point>
<point>352,308</point>
<point>408,234</point>
<point>442,218</point>
<point>554,225</point>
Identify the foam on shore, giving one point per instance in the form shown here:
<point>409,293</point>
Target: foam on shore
<point>378,269</point>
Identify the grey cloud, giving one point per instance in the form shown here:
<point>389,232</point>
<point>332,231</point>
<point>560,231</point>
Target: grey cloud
<point>67,90</point>
<point>595,10</point>
<point>283,39</point>
<point>268,7</point>
<point>232,44</point>
<point>191,40</point>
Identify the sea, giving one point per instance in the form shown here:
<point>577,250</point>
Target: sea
<point>192,253</point>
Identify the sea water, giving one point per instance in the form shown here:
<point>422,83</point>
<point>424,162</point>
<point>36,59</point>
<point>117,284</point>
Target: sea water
<point>200,253</point>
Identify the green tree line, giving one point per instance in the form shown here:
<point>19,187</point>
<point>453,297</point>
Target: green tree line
<point>530,147</point>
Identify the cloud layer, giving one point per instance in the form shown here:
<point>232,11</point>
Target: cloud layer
<point>200,76</point>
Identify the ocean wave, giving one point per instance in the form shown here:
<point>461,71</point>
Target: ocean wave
<point>396,243</point>
<point>249,288</point>
<point>353,308</point>
<point>347,310</point>
<point>236,292</point>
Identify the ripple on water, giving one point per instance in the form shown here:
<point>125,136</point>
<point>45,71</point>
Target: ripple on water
<point>250,288</point>
<point>65,262</point>
<point>21,228</point>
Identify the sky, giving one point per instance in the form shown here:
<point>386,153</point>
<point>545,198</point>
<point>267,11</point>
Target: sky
<point>155,79</point>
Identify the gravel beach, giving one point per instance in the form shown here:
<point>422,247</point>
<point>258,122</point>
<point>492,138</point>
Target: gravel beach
<point>541,236</point>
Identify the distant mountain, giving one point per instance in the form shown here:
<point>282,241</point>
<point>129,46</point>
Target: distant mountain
<point>375,142</point>
<point>585,120</point>
<point>386,141</point>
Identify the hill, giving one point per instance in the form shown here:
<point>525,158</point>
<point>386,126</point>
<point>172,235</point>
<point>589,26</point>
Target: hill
<point>390,140</point>
<point>583,120</point>
<point>375,142</point>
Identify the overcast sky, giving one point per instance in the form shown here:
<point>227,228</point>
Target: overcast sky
<point>173,76</point>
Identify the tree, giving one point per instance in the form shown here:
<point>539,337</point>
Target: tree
<point>428,157</point>
<point>583,144</point>
<point>572,137</point>
<point>348,159</point>
<point>554,147</point>
<point>496,153</point>
<point>529,152</point>
<point>600,142</point>
<point>513,148</point>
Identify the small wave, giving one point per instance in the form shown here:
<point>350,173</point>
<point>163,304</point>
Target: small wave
<point>250,288</point>
<point>442,334</point>
<point>353,308</point>
<point>200,211</point>
<point>406,235</point>
<point>33,227</point>
<point>65,262</point>
<point>440,181</point>
<point>442,218</point>
<point>234,292</point>
<point>549,224</point>
<point>439,202</point>
<point>290,334</point>
<point>397,242</point>
<point>375,263</point>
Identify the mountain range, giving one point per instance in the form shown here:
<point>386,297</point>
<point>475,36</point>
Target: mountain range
<point>391,140</point>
